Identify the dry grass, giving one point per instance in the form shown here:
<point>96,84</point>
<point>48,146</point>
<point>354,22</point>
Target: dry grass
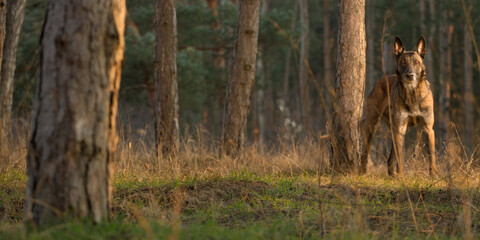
<point>289,183</point>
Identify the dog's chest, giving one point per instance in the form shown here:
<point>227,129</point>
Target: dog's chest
<point>413,110</point>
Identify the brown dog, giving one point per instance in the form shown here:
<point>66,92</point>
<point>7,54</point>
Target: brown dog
<point>401,100</point>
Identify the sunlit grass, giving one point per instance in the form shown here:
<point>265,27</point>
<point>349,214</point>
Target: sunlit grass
<point>287,192</point>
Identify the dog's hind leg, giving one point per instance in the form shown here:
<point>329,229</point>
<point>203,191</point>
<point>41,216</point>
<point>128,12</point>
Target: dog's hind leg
<point>368,140</point>
<point>371,121</point>
<point>391,161</point>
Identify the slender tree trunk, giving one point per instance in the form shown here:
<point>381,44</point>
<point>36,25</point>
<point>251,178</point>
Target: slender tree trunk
<point>260,98</point>
<point>429,32</point>
<point>327,55</point>
<point>219,59</point>
<point>468,89</point>
<point>350,86</point>
<point>286,116</point>
<point>218,63</point>
<point>3,84</point>
<point>241,78</point>
<point>431,42</point>
<point>14,20</point>
<point>73,134</point>
<point>166,88</point>
<point>270,111</point>
<point>303,73</point>
<point>446,33</point>
<point>371,73</point>
<point>255,121</point>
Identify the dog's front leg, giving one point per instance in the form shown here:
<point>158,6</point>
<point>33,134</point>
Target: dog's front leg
<point>431,149</point>
<point>398,142</point>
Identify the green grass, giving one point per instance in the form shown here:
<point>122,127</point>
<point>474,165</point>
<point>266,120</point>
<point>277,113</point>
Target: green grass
<point>243,205</point>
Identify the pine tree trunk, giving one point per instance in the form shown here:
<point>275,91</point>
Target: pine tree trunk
<point>14,20</point>
<point>4,119</point>
<point>327,55</point>
<point>446,32</point>
<point>431,43</point>
<point>371,73</point>
<point>241,78</point>
<point>285,106</point>
<point>166,88</point>
<point>350,86</point>
<point>428,32</point>
<point>468,89</point>
<point>260,99</point>
<point>73,134</point>
<point>303,71</point>
<point>270,103</point>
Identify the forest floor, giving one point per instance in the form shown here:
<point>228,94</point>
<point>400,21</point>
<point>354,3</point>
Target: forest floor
<point>282,194</point>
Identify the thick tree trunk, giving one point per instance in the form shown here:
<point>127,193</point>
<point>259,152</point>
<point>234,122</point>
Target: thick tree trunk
<point>166,87</point>
<point>73,134</point>
<point>14,20</point>
<point>468,89</point>
<point>241,78</point>
<point>303,71</point>
<point>350,86</point>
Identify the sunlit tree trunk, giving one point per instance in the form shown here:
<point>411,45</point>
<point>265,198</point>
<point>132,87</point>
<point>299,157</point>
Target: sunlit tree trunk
<point>166,87</point>
<point>4,85</point>
<point>350,86</point>
<point>303,71</point>
<point>241,78</point>
<point>73,134</point>
<point>14,20</point>
<point>468,89</point>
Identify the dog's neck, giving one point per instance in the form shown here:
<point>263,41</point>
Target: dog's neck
<point>411,90</point>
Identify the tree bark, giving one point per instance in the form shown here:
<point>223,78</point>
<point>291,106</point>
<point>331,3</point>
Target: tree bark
<point>260,99</point>
<point>285,106</point>
<point>73,134</point>
<point>350,86</point>
<point>371,72</point>
<point>3,84</point>
<point>303,71</point>
<point>429,33</point>
<point>327,56</point>
<point>241,78</point>
<point>14,19</point>
<point>166,87</point>
<point>445,76</point>
<point>468,89</point>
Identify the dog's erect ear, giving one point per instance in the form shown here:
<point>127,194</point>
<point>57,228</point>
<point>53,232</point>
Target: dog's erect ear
<point>421,47</point>
<point>398,47</point>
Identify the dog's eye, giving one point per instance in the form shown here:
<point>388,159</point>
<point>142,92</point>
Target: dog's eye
<point>417,62</point>
<point>404,62</point>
